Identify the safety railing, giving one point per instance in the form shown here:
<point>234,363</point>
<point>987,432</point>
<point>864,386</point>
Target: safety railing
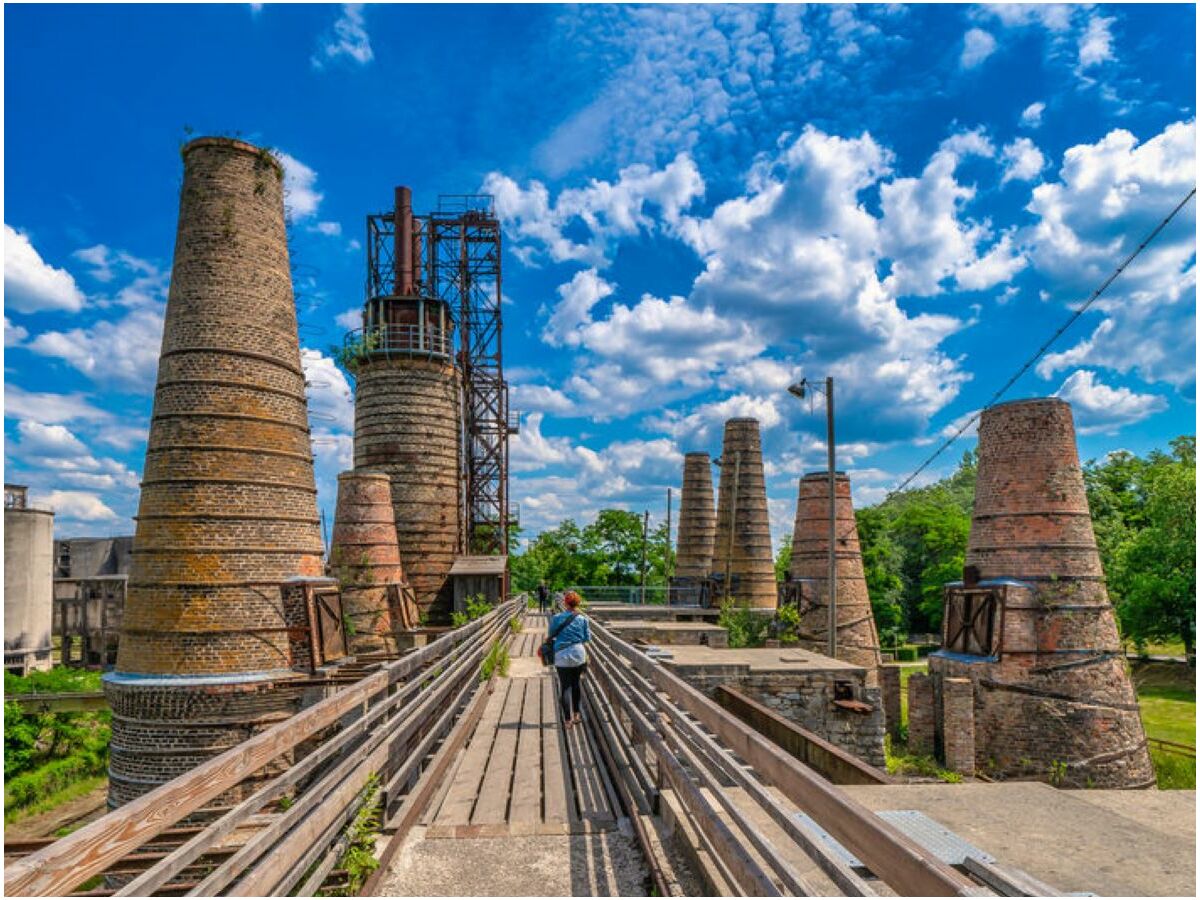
<point>398,340</point>
<point>293,825</point>
<point>650,595</point>
<point>656,732</point>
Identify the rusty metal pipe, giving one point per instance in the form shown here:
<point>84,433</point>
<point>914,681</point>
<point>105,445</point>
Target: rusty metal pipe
<point>403,242</point>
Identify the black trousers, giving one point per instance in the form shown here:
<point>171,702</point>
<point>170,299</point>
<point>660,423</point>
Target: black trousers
<point>571,695</point>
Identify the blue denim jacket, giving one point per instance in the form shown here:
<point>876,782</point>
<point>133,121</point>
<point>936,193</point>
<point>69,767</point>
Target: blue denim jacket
<point>575,633</point>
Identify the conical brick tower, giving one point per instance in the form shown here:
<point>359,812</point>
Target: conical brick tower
<point>742,548</point>
<point>365,558</point>
<point>697,519</point>
<point>1031,625</point>
<point>228,506</point>
<point>857,639</point>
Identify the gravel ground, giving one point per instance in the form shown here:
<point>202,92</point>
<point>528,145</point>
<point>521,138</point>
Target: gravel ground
<point>585,865</point>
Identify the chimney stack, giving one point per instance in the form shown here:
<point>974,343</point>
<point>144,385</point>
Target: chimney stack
<point>697,519</point>
<point>742,548</point>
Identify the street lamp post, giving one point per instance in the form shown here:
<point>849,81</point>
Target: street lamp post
<point>800,390</point>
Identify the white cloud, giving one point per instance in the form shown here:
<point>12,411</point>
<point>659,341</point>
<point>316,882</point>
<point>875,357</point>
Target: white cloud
<point>1109,196</point>
<point>330,400</point>
<point>1101,408</point>
<point>351,319</point>
<point>978,45</point>
<point>329,229</point>
<point>83,506</point>
<point>349,39</point>
<point>33,285</point>
<point>540,398</point>
<point>1031,116</point>
<point>1054,17</point>
<point>609,211</point>
<point>299,188</point>
<point>14,334</point>
<point>1095,43</point>
<point>38,440</point>
<point>998,266</point>
<point>922,232</point>
<point>704,424</point>
<point>1023,161</point>
<point>574,309</point>
<point>50,407</point>
<point>122,353</point>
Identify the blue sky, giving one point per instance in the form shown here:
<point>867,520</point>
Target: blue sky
<point>700,204</point>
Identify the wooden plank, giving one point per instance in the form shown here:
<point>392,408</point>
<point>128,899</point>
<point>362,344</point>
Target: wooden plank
<point>92,849</point>
<point>527,782</point>
<point>909,868</point>
<point>494,792</point>
<point>593,804</point>
<point>557,794</point>
<point>460,800</point>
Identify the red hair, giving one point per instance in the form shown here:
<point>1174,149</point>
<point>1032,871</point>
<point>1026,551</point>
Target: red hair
<point>571,599</point>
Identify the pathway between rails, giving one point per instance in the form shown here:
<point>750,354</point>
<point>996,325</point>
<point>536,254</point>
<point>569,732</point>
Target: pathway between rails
<point>527,810</point>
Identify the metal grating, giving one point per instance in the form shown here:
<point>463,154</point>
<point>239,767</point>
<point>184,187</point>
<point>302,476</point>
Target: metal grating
<point>933,836</point>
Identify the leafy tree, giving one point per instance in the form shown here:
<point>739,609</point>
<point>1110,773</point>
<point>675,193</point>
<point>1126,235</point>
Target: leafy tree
<point>783,559</point>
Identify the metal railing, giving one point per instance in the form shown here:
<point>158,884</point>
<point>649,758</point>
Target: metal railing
<point>385,725</point>
<point>399,340</point>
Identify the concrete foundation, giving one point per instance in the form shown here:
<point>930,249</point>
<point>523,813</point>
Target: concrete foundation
<point>827,696</point>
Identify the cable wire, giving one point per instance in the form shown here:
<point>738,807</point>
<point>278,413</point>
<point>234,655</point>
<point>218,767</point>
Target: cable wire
<point>1042,349</point>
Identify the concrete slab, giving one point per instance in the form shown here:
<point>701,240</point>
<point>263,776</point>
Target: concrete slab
<point>1111,843</point>
<point>757,660</point>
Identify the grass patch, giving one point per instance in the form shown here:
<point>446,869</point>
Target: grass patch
<point>514,625</point>
<point>1169,714</point>
<point>73,791</point>
<point>901,762</point>
<point>1173,772</point>
<point>496,662</point>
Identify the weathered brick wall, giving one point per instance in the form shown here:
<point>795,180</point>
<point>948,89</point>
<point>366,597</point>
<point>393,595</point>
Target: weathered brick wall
<point>920,714</point>
<point>857,639</point>
<point>1058,704</point>
<point>958,724</point>
<point>228,504</point>
<point>406,423</point>
<point>807,699</point>
<point>752,562</point>
<point>889,688</point>
<point>365,557</point>
<point>697,519</point>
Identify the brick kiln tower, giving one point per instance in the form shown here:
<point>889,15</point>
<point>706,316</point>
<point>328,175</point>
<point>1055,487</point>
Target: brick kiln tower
<point>228,506</point>
<point>742,547</point>
<point>1030,632</point>
<point>406,404</point>
<point>697,520</point>
<point>857,639</point>
<point>365,559</point>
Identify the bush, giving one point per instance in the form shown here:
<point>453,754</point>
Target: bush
<point>477,608</point>
<point>746,627</point>
<point>906,653</point>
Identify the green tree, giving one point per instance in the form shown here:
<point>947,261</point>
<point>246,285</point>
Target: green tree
<point>783,559</point>
<point>882,564</point>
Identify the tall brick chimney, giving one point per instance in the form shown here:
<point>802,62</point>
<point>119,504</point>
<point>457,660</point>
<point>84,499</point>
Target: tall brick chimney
<point>228,506</point>
<point>407,419</point>
<point>857,639</point>
<point>697,519</point>
<point>742,548</point>
<point>1031,625</point>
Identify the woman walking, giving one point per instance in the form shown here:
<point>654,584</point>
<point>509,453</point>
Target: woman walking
<point>571,632</point>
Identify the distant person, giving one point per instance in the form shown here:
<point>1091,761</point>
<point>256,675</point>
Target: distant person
<point>543,597</point>
<point>571,632</point>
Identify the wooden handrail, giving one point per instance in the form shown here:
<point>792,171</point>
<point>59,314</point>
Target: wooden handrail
<point>59,867</point>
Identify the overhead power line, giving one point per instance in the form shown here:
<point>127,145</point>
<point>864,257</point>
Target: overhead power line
<point>1041,351</point>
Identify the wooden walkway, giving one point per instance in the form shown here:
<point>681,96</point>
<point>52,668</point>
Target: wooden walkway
<point>521,772</point>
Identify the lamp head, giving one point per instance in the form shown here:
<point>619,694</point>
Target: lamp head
<point>799,388</point>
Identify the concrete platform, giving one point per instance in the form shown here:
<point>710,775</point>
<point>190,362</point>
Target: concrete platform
<point>1111,843</point>
<point>623,612</point>
<point>757,660</point>
<point>671,632</point>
